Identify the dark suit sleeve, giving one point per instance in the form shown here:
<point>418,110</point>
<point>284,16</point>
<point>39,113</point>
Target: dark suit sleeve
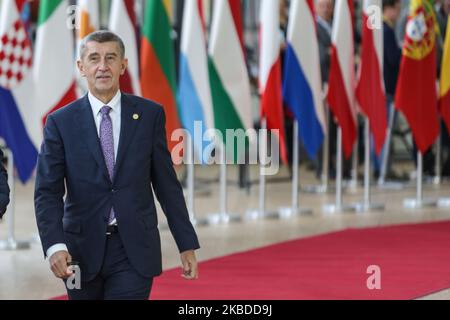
<point>4,189</point>
<point>49,189</point>
<point>168,190</point>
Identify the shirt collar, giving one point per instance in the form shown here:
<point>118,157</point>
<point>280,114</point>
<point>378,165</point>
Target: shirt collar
<point>96,104</point>
<point>324,24</point>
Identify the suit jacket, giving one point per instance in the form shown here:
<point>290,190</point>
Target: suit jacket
<point>71,163</point>
<point>4,189</point>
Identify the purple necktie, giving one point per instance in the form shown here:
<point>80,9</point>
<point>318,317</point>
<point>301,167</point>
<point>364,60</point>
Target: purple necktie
<point>107,142</point>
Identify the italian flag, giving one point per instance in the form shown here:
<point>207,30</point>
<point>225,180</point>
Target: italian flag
<point>54,57</point>
<point>158,78</point>
<point>230,86</point>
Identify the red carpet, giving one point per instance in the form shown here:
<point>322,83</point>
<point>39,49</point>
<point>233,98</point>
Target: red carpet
<point>414,261</point>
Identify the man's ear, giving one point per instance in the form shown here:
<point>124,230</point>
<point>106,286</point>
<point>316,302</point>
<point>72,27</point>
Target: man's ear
<point>81,68</point>
<point>124,66</point>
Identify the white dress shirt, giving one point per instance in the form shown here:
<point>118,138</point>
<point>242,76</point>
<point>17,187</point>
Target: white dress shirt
<point>115,114</point>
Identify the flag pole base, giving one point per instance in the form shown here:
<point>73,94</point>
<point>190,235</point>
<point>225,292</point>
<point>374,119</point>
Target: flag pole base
<point>418,204</point>
<point>315,189</point>
<point>366,207</point>
<point>334,208</point>
<point>443,202</point>
<point>12,244</point>
<point>257,214</point>
<point>223,218</point>
<point>289,212</point>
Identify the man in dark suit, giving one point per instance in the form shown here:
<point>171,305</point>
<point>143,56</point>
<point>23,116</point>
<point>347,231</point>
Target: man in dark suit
<point>104,152</point>
<point>4,189</point>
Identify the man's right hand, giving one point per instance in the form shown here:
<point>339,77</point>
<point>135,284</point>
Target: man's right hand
<point>59,263</point>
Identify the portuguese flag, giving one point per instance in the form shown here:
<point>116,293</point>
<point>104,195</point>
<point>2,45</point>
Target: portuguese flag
<point>416,94</point>
<point>158,78</point>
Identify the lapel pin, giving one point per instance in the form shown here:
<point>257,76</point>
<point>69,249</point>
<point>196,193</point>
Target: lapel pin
<point>135,116</point>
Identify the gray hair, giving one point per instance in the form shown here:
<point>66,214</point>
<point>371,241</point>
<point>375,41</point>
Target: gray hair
<point>102,36</point>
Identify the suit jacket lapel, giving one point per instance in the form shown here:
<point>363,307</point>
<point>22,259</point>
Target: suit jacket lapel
<point>130,119</point>
<point>88,131</point>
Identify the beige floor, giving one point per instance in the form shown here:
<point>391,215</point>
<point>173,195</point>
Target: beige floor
<point>25,275</point>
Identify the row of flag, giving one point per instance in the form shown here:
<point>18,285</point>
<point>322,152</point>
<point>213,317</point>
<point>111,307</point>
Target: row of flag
<point>213,85</point>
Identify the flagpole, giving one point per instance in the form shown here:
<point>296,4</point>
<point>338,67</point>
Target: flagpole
<point>367,205</point>
<point>387,153</point>
<point>419,201</point>
<point>191,185</point>
<point>261,211</point>
<point>353,183</point>
<point>286,212</point>
<point>437,177</point>
<point>223,217</point>
<point>324,176</point>
<point>11,243</point>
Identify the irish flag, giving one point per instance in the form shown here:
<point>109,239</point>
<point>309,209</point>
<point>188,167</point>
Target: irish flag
<point>416,94</point>
<point>123,23</point>
<point>54,58</point>
<point>88,17</point>
<point>370,91</point>
<point>270,71</point>
<point>444,101</point>
<point>194,87</point>
<point>230,86</point>
<point>302,85</point>
<point>341,94</point>
<point>158,79</point>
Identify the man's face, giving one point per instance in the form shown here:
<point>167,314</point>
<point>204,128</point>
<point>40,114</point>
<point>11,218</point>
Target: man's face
<point>447,6</point>
<point>102,65</point>
<point>325,9</point>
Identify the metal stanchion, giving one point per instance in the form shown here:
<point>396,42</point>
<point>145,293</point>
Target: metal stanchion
<point>367,205</point>
<point>382,183</point>
<point>323,187</point>
<point>287,212</point>
<point>437,166</point>
<point>190,186</point>
<point>419,201</point>
<point>338,206</point>
<point>261,211</point>
<point>223,217</point>
<point>10,243</point>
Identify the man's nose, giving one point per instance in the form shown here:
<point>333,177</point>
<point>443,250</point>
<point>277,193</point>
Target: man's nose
<point>103,65</point>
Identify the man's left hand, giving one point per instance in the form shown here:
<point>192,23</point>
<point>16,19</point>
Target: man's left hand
<point>190,266</point>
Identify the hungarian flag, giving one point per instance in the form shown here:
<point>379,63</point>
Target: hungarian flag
<point>230,85</point>
<point>302,84</point>
<point>444,101</point>
<point>122,22</point>
<point>416,94</point>
<point>270,86</point>
<point>54,57</point>
<point>341,94</point>
<point>18,125</point>
<point>370,91</point>
<point>158,77</point>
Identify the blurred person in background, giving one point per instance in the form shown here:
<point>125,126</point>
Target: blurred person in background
<point>4,189</point>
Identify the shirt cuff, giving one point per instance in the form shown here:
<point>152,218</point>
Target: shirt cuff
<point>55,248</point>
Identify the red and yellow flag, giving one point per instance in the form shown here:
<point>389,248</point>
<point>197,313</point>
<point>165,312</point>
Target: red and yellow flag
<point>444,101</point>
<point>416,94</point>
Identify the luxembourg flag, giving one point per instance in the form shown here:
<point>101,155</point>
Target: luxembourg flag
<point>194,89</point>
<point>302,85</point>
<point>16,89</point>
<point>270,85</point>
